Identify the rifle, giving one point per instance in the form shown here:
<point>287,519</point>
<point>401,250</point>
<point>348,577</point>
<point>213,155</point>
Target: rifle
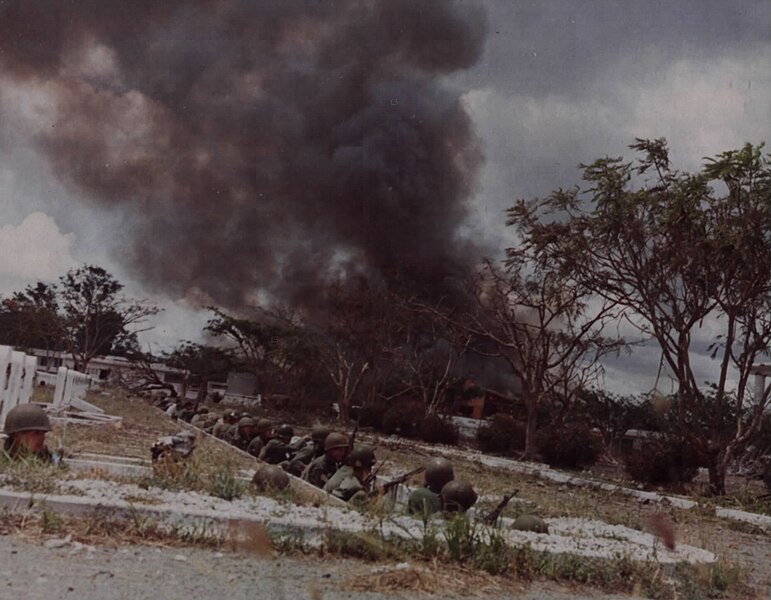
<point>352,439</point>
<point>389,485</point>
<point>493,515</point>
<point>373,473</point>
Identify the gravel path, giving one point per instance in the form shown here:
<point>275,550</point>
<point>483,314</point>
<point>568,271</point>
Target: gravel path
<point>31,571</point>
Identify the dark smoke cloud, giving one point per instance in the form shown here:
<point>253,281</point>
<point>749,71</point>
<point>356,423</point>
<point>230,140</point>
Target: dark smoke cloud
<point>260,145</point>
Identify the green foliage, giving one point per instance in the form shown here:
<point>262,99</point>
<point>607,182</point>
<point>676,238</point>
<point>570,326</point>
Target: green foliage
<point>502,435</point>
<point>51,522</point>
<point>226,486</point>
<point>570,446</point>
<point>84,314</point>
<point>664,461</point>
<point>671,249</point>
<point>372,413</point>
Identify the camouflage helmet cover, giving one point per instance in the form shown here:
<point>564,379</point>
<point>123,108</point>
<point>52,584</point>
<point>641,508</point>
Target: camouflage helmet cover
<point>458,496</point>
<point>27,417</point>
<point>363,457</point>
<point>335,440</point>
<point>270,477</point>
<point>438,472</point>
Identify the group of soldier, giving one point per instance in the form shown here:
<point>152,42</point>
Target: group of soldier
<point>329,460</point>
<point>326,459</point>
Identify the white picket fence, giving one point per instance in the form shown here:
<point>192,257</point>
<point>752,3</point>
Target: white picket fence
<point>18,374</point>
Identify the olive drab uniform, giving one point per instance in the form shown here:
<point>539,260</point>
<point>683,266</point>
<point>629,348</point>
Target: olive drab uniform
<point>275,452</point>
<point>424,502</point>
<point>319,471</point>
<point>346,486</point>
<point>240,441</point>
<point>255,446</point>
<point>223,431</point>
<point>304,453</point>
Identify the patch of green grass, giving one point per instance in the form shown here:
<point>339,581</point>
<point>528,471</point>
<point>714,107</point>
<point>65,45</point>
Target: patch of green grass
<point>226,486</point>
<point>30,474</point>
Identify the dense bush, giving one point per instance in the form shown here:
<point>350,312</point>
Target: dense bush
<point>403,419</point>
<point>438,430</point>
<point>571,446</point>
<point>501,435</point>
<point>664,461</point>
<point>371,414</point>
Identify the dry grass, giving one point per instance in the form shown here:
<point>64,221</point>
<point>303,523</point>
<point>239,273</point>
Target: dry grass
<point>132,437</point>
<point>100,530</point>
<point>429,579</point>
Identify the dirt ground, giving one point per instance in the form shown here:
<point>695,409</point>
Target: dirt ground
<point>32,571</point>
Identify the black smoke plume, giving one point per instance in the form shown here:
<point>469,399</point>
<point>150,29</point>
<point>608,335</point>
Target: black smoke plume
<point>260,145</point>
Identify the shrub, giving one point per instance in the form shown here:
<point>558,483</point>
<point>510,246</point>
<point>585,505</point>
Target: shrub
<point>437,430</point>
<point>403,419</point>
<point>663,461</point>
<point>572,446</point>
<point>502,435</point>
<point>371,414</point>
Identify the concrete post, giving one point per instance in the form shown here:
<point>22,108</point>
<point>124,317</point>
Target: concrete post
<point>61,384</point>
<point>30,368</point>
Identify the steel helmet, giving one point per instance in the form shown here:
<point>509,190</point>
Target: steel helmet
<point>270,477</point>
<point>363,457</point>
<point>335,440</point>
<point>530,523</point>
<point>319,434</point>
<point>284,431</point>
<point>27,417</point>
<point>246,422</point>
<point>458,496</point>
<point>438,472</point>
<point>264,425</point>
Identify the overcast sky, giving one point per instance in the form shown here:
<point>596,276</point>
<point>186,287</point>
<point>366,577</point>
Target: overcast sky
<point>558,83</point>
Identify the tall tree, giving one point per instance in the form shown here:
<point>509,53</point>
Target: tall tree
<point>349,343</point>
<point>542,325</point>
<point>687,260</point>
<point>204,363</point>
<point>95,317</point>
<point>275,346</point>
<point>30,318</point>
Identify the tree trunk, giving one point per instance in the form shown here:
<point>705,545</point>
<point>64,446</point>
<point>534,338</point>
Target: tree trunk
<point>345,409</point>
<point>202,390</point>
<point>717,472</point>
<point>530,429</point>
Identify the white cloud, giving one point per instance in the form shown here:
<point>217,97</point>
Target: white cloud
<point>34,250</point>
